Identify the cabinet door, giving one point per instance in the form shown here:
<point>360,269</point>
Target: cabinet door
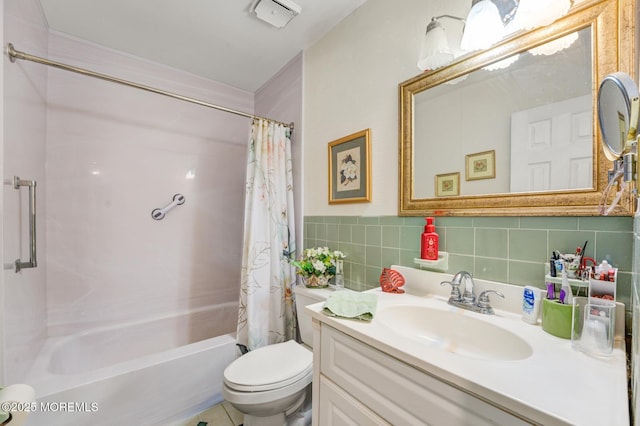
<point>338,408</point>
<point>398,392</point>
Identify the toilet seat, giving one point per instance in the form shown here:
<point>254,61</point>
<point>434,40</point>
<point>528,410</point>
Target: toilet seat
<point>269,368</point>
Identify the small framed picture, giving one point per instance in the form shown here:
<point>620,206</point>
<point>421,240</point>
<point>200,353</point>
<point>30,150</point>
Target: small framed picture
<point>481,165</point>
<point>448,185</point>
<point>350,169</point>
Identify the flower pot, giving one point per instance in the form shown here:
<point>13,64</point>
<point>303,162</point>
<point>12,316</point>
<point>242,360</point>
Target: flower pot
<point>316,281</point>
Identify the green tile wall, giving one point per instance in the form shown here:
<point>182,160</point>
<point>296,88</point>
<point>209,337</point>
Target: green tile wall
<point>634,345</point>
<point>506,249</point>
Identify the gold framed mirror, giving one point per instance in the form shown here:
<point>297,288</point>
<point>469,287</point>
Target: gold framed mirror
<point>443,131</point>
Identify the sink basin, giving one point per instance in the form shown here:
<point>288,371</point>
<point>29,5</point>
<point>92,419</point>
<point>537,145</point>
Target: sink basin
<point>455,332</point>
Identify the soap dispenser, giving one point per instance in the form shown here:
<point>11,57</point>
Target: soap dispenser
<point>429,241</point>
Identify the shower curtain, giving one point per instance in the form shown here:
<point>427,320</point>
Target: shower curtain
<point>267,309</point>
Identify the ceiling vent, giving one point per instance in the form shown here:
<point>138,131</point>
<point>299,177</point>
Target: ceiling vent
<point>276,12</point>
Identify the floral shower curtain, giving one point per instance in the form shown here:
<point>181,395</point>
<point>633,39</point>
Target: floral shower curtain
<point>267,309</point>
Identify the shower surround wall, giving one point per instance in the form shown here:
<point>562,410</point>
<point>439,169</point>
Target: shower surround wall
<point>24,86</point>
<point>105,156</point>
<point>113,155</point>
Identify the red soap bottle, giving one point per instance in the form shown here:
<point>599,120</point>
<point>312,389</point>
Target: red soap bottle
<point>429,241</point>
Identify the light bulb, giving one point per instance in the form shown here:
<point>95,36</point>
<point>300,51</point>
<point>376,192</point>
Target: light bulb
<point>483,26</point>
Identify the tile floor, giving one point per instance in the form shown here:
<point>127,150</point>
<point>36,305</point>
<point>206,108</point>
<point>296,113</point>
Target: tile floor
<point>222,414</point>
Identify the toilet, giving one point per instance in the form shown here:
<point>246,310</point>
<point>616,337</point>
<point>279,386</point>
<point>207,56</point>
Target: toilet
<point>271,385</point>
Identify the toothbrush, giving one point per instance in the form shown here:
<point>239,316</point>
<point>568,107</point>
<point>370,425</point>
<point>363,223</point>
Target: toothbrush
<point>566,288</point>
<point>551,291</point>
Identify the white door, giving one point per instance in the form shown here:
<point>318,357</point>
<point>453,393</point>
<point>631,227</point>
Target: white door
<point>552,146</point>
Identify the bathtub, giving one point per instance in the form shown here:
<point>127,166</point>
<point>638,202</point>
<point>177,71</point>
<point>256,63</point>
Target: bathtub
<point>155,372</point>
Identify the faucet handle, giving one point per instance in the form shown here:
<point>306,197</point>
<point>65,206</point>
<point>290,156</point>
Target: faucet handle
<point>483,301</point>
<point>455,290</point>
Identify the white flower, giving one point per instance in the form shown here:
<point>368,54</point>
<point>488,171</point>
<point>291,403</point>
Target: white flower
<point>349,170</point>
<point>319,266</point>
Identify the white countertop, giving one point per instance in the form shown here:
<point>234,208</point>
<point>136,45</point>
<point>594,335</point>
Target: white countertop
<point>555,385</point>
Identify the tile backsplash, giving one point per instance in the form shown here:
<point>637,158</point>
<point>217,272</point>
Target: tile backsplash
<point>635,341</point>
<point>506,249</point>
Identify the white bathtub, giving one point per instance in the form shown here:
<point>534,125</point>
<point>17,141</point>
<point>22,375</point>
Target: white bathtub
<point>157,372</point>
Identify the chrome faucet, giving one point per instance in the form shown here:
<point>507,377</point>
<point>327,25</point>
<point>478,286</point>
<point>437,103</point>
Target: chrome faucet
<point>467,300</point>
<point>464,277</point>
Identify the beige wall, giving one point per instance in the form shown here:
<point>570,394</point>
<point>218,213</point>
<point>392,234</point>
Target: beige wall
<point>351,79</point>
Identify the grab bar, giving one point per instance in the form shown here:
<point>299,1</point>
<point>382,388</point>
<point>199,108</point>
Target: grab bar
<point>158,214</point>
<point>31,263</point>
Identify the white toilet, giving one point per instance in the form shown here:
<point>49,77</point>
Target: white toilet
<point>270,384</point>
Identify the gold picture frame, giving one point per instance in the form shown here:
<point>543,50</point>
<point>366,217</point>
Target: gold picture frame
<point>481,165</point>
<point>448,184</point>
<point>350,169</point>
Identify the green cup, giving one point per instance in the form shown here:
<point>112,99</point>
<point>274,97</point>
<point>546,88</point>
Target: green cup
<point>556,318</point>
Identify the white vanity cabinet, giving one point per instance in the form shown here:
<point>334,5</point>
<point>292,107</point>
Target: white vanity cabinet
<point>423,361</point>
<point>356,384</point>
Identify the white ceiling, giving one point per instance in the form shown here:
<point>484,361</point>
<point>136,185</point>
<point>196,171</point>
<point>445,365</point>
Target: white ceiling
<point>217,39</point>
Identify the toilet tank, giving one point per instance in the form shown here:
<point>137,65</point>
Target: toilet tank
<point>308,296</point>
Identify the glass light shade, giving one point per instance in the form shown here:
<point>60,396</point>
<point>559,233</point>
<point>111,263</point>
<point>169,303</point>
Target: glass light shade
<point>537,13</point>
<point>555,45</point>
<point>483,28</point>
<point>435,51</point>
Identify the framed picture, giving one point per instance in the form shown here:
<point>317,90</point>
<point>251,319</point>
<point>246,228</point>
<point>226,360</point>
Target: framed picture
<point>448,185</point>
<point>481,165</point>
<point>350,169</point>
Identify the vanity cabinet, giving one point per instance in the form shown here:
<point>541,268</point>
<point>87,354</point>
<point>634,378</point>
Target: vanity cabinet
<point>354,383</point>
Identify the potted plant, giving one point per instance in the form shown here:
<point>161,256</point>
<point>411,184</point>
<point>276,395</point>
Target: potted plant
<point>318,265</point>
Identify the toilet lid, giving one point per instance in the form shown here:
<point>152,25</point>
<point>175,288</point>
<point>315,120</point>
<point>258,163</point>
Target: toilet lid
<point>269,367</point>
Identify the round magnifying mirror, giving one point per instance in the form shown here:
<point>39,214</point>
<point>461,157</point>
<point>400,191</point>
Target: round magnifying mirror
<point>618,106</point>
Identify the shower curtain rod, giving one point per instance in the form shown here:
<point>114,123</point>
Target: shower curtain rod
<point>16,54</point>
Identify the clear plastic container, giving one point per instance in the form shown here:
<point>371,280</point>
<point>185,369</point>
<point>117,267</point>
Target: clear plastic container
<point>339,277</point>
<point>593,326</point>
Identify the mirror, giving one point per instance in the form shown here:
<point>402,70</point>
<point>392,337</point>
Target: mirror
<point>534,120</point>
<point>478,139</point>
<point>617,114</point>
<point>618,106</point>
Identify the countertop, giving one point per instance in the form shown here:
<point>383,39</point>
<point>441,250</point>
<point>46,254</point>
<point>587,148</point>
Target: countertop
<point>555,385</point>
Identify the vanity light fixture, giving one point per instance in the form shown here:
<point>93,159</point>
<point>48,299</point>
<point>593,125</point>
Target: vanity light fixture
<point>276,12</point>
<point>485,24</point>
